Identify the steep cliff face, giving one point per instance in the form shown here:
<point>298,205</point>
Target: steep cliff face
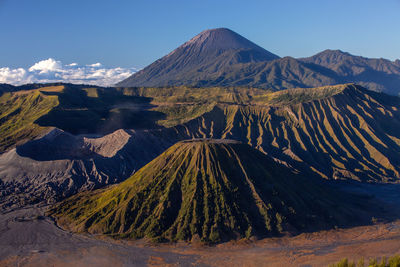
<point>348,132</point>
<point>211,190</point>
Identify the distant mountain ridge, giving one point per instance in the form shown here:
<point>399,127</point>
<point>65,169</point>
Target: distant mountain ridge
<point>376,74</point>
<point>221,57</point>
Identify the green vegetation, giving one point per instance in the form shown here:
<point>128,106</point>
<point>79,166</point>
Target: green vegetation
<point>183,94</point>
<point>207,190</point>
<point>179,114</point>
<point>339,132</point>
<point>18,113</point>
<point>234,95</point>
<point>99,110</point>
<point>393,261</point>
<point>302,95</point>
<point>26,114</point>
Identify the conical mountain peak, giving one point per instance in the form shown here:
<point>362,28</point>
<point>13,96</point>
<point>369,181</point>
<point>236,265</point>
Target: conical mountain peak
<point>222,39</point>
<point>221,57</point>
<point>212,190</point>
<point>199,59</point>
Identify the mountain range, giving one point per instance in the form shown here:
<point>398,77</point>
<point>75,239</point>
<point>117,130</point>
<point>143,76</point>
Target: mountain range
<point>84,138</point>
<point>218,140</point>
<point>221,57</point>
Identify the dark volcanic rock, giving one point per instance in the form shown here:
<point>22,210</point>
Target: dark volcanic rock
<point>60,164</point>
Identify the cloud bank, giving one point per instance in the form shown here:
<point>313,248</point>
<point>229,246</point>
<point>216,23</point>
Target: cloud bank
<point>51,70</point>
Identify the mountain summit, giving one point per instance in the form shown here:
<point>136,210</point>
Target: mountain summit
<point>221,57</point>
<point>221,40</point>
<point>201,58</point>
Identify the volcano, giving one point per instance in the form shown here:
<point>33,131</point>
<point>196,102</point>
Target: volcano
<point>201,58</point>
<point>208,190</point>
<point>223,58</point>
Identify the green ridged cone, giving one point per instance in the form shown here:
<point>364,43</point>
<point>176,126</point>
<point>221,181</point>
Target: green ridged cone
<point>208,190</point>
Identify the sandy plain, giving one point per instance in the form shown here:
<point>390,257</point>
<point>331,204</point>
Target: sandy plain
<point>28,238</point>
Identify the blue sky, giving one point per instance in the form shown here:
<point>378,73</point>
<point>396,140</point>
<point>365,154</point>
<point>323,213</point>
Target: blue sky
<point>137,32</point>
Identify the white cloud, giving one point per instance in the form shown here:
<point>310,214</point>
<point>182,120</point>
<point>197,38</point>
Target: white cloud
<point>47,66</point>
<point>8,75</point>
<point>51,70</point>
<point>95,65</point>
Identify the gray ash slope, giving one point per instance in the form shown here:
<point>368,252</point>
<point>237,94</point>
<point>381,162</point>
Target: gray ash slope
<point>199,59</point>
<point>221,57</point>
<point>60,164</point>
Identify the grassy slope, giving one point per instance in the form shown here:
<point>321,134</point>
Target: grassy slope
<point>19,111</point>
<point>209,191</point>
<point>341,131</point>
<point>99,110</point>
<point>338,131</point>
<point>80,109</point>
<point>233,95</point>
<point>393,261</point>
<point>181,104</point>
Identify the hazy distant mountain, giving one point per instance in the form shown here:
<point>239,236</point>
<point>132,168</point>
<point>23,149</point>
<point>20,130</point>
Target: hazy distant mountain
<point>377,74</point>
<point>221,57</point>
<point>283,73</point>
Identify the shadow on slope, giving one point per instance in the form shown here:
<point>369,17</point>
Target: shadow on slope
<point>214,191</point>
<point>60,145</point>
<point>100,111</point>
